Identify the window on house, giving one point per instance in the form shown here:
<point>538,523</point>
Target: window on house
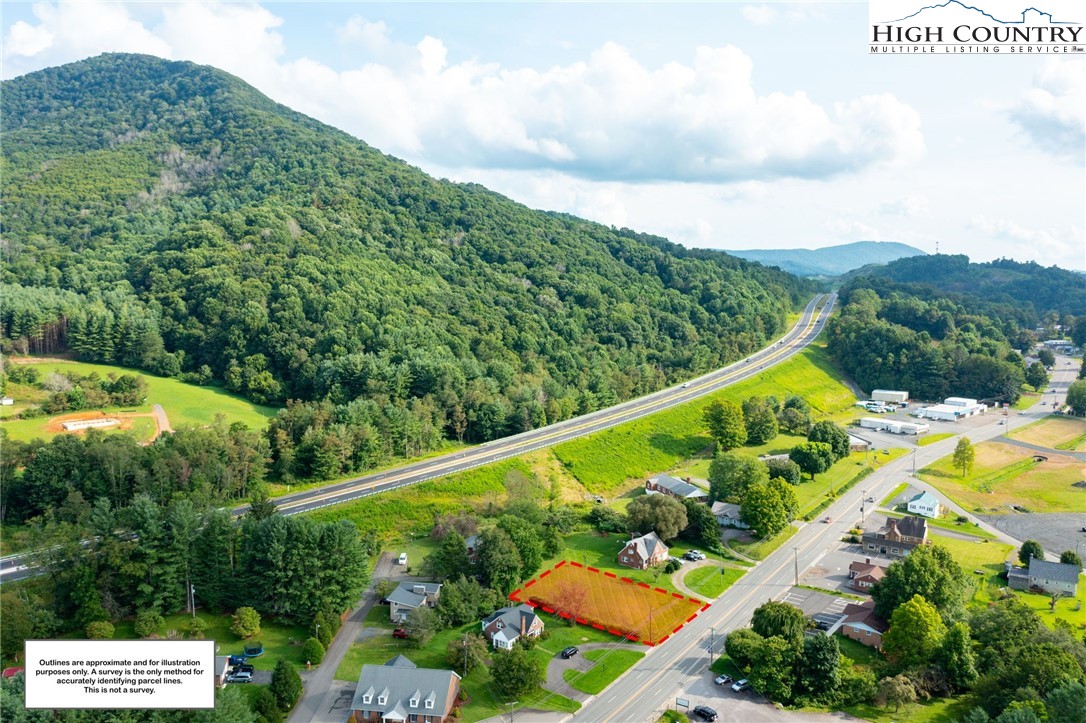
<point>867,633</point>
<point>430,704</point>
<point>382,700</point>
<point>367,698</point>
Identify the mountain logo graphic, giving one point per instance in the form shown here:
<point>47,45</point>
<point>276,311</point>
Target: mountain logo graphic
<point>1028,16</point>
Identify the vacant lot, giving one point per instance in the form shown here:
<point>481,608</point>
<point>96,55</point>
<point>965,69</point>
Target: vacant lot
<point>606,601</point>
<point>1005,475</point>
<point>1055,432</point>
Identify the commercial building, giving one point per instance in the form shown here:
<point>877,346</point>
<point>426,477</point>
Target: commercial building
<point>889,395</point>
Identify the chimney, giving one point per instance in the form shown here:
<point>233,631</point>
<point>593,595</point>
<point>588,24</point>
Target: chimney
<point>419,589</point>
<point>523,624</point>
<point>867,560</point>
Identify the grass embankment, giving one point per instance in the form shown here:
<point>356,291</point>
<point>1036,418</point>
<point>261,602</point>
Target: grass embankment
<point>606,460</point>
<point>887,501</point>
<point>184,404</point>
<point>761,549</point>
<point>1068,433</point>
<point>711,581</point>
<point>1004,475</point>
<point>610,663</point>
<point>927,439</point>
<point>484,701</point>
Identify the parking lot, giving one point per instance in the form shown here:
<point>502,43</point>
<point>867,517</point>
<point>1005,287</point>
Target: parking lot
<point>746,707</point>
<point>831,571</point>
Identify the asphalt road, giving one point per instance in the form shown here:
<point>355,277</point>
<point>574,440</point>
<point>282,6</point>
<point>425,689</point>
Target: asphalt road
<point>676,668</point>
<point>809,326</point>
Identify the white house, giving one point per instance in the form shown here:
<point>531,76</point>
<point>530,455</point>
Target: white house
<point>727,515</point>
<point>925,504</point>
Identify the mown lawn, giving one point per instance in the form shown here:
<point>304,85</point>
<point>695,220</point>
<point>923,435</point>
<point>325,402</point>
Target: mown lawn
<point>605,460</point>
<point>185,404</point>
<point>1005,475</point>
<point>711,581</point>
<point>936,710</point>
<point>1071,609</point>
<point>483,700</point>
<point>893,493</point>
<point>981,555</point>
<point>856,651</point>
<point>927,439</point>
<point>610,663</point>
<point>1057,432</point>
<point>622,607</point>
<point>761,549</point>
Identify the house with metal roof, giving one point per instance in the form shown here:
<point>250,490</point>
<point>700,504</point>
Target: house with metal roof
<point>409,595</point>
<point>925,504</point>
<point>401,692</point>
<point>665,484</point>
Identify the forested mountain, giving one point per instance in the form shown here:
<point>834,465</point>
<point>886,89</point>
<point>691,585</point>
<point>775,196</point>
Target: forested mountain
<point>168,216</point>
<point>830,260</point>
<point>1031,289</point>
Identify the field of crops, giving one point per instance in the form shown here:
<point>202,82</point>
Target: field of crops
<point>609,602</point>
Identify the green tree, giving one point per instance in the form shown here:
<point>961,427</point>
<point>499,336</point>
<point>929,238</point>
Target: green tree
<point>763,510</point>
<point>1030,548</point>
<point>528,539</point>
<point>916,633</point>
<point>245,623</point>
<point>772,668</point>
<point>896,691</point>
<point>964,455</point>
<point>499,560</point>
<point>760,416</point>
<point>324,630</point>
<point>726,424</point>
<point>819,666</point>
<point>833,435</point>
<point>743,645</point>
<point>956,658</point>
<point>267,708</point>
<point>1076,396</point>
<point>516,672</point>
<point>656,513</point>
<point>788,496</point>
<point>466,653</point>
<point>784,469</point>
<point>1023,711</point>
<point>1046,357</point>
<point>929,571</point>
<point>313,651</point>
<point>1070,557</point>
<point>780,620</point>
<point>286,684</point>
<point>1067,704</point>
<point>731,475</point>
<point>813,458</point>
<point>795,415</point>
<point>99,630</point>
<point>702,527</point>
<point>422,625</point>
<point>148,623</point>
<point>464,600</point>
<point>1037,376</point>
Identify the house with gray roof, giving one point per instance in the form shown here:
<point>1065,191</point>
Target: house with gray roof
<point>898,537</point>
<point>409,595</point>
<point>727,515</point>
<point>643,552</point>
<point>665,484</point>
<point>401,692</point>
<point>1051,577</point>
<point>504,627</point>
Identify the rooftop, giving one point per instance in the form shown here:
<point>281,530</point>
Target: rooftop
<point>404,688</point>
<point>677,486</point>
<point>1053,570</point>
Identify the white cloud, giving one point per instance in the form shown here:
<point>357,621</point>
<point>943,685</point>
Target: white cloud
<point>1053,112</point>
<point>759,14</point>
<point>849,230</point>
<point>605,117</point>
<point>912,206</point>
<point>1050,243</point>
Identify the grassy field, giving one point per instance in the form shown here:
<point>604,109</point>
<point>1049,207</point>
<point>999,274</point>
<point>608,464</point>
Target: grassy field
<point>605,460</point>
<point>893,493</point>
<point>483,700</point>
<point>1071,609</point>
<point>981,555</point>
<point>927,439</point>
<point>1027,400</point>
<point>1005,475</point>
<point>610,663</point>
<point>711,581</point>
<point>856,651</point>
<point>936,710</point>
<point>1056,432</point>
<point>185,404</point>
<point>623,607</point>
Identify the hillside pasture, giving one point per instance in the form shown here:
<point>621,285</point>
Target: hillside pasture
<point>636,611</point>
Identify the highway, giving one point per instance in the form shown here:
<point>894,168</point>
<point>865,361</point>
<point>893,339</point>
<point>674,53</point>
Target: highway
<point>668,670</point>
<point>809,326</point>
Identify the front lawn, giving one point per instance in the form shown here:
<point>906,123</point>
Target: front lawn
<point>933,438</point>
<point>761,549</point>
<point>711,581</point>
<point>610,663</point>
<point>936,710</point>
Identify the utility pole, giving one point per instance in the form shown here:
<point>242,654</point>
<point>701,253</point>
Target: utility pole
<point>192,600</point>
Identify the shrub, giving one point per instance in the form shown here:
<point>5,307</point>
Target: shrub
<point>672,566</point>
<point>148,623</point>
<point>245,622</point>
<point>286,685</point>
<point>313,651</point>
<point>99,630</point>
<point>197,626</point>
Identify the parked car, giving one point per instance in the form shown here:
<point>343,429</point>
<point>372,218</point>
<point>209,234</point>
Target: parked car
<point>242,668</point>
<point>240,678</point>
<point>237,659</point>
<point>741,685</point>
<point>705,712</point>
<point>676,559</point>
<point>723,680</point>
<point>1003,421</point>
<point>694,555</point>
<point>400,633</point>
<point>569,652</point>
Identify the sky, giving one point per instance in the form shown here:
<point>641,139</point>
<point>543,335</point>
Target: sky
<point>726,125</point>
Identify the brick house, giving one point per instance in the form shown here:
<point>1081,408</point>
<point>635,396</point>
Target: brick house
<point>862,625</point>
<point>401,692</point>
<point>665,484</point>
<point>643,552</point>
<point>898,537</point>
<point>864,575</point>
<point>504,627</point>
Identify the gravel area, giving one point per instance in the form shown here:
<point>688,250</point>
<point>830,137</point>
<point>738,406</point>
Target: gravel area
<point>1056,531</point>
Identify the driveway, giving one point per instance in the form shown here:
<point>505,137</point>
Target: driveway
<point>556,682</point>
<point>1056,531</point>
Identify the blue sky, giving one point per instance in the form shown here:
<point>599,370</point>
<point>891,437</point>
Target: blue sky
<point>725,125</point>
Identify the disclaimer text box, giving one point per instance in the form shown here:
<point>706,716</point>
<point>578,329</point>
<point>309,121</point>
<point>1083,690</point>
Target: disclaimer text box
<point>175,674</point>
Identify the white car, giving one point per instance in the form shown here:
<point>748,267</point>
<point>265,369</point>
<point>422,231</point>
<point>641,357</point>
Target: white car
<point>686,385</point>
<point>403,559</point>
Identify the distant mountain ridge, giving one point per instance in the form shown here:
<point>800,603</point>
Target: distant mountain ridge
<point>830,260</point>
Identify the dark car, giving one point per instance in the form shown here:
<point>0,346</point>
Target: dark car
<point>242,668</point>
<point>237,659</point>
<point>569,652</point>
<point>399,633</point>
<point>705,712</point>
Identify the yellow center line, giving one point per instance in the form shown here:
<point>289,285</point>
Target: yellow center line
<point>481,452</point>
